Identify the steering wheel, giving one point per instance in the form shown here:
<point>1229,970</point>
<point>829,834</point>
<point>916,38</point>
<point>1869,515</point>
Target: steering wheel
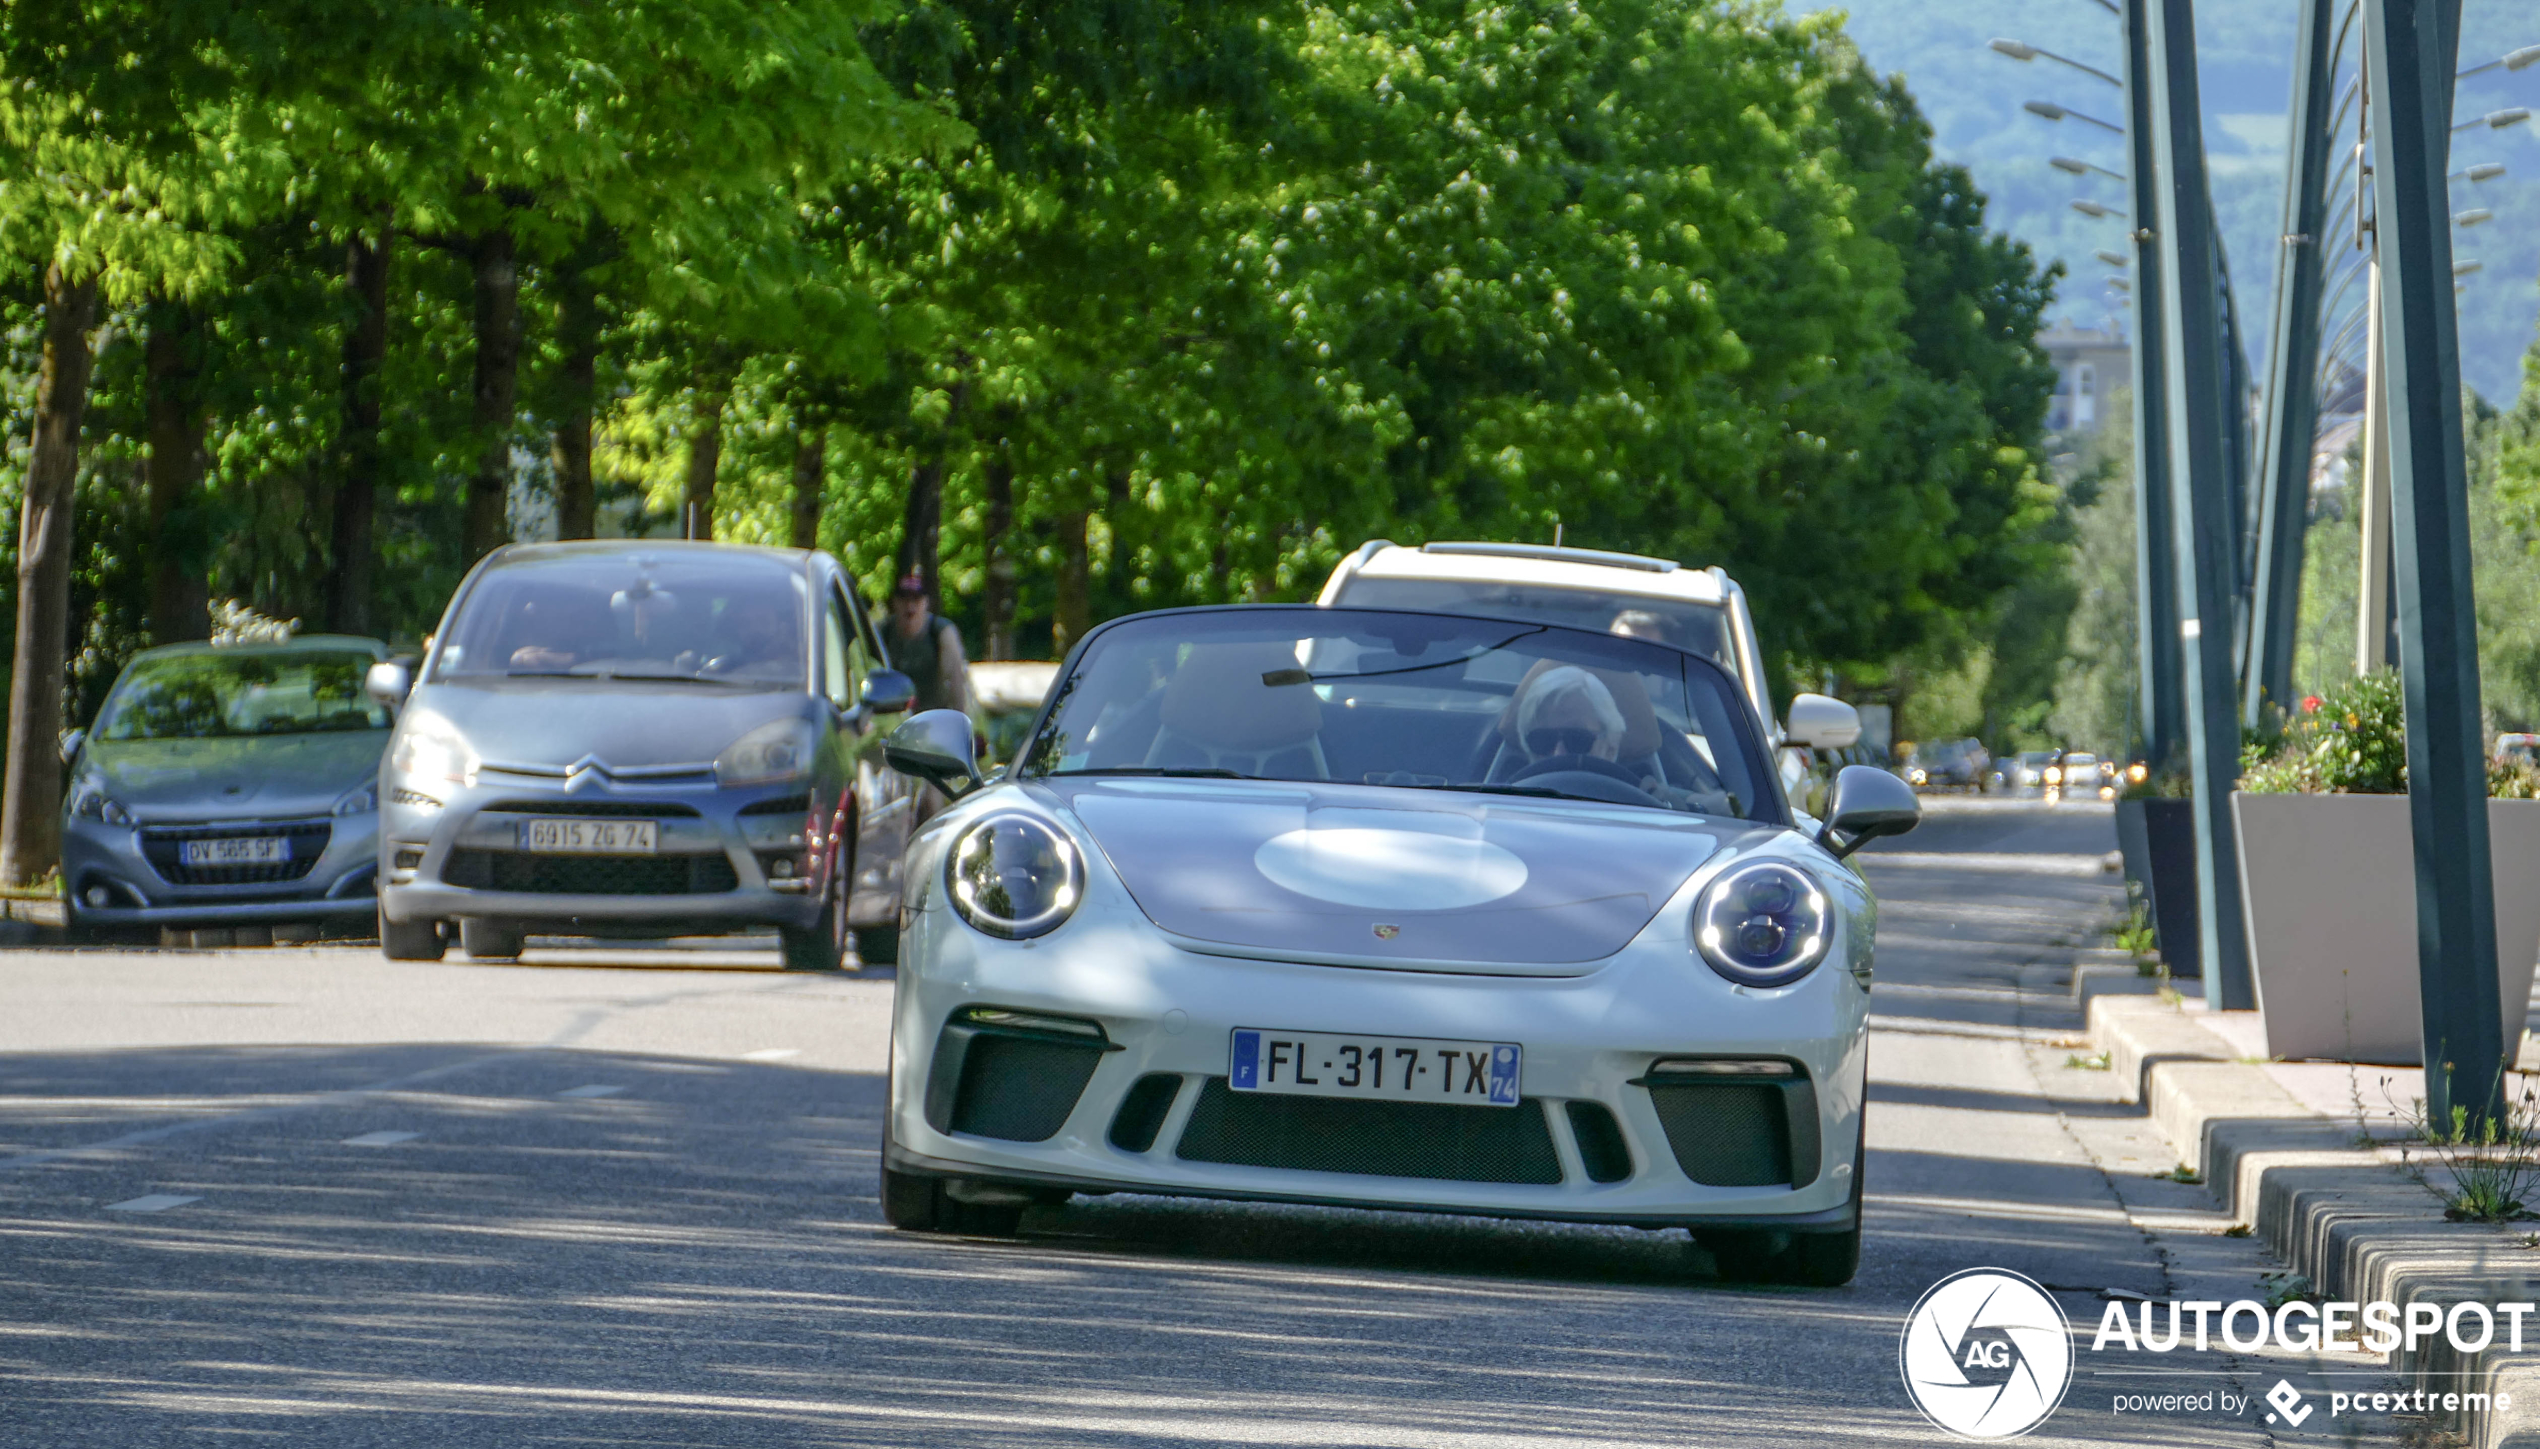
<point>1601,771</point>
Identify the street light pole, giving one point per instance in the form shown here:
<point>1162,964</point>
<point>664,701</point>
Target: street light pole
<point>2163,712</point>
<point>2411,49</point>
<point>2292,405</point>
<point>2202,524</point>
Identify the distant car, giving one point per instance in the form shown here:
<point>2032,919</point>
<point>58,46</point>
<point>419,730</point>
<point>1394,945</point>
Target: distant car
<point>645,738</point>
<point>1395,910</point>
<point>1946,765</point>
<point>2518,749</point>
<point>2079,772</point>
<point>1004,696</point>
<point>2025,770</point>
<point>228,786</point>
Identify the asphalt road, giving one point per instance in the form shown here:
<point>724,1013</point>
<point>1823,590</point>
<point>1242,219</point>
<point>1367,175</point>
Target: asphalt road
<point>627,1197</point>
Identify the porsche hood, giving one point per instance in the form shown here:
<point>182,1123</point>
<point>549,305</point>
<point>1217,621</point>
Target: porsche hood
<point>1375,874</point>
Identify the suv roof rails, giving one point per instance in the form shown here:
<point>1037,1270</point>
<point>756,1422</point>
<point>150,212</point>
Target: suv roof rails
<point>1554,554</point>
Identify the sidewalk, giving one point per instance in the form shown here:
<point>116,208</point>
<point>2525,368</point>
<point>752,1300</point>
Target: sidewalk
<point>2307,1155</point>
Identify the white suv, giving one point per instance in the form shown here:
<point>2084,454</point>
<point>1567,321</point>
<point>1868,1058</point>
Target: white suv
<point>1702,611</point>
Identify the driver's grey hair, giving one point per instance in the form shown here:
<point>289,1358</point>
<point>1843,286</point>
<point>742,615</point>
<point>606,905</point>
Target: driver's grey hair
<point>1562,685</point>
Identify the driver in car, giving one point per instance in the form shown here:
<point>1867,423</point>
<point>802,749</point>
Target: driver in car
<point>1570,712</point>
<point>558,629</point>
<point>756,631</point>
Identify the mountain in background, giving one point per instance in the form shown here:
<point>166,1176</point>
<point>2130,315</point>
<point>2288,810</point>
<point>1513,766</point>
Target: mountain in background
<point>1973,94</point>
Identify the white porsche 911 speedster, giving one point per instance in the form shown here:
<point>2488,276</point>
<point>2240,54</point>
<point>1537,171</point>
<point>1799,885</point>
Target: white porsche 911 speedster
<point>1387,909</point>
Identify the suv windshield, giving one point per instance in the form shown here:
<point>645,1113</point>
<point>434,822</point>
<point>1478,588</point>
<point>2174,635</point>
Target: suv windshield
<point>212,695</point>
<point>688,614</point>
<point>1421,701</point>
<point>1697,628</point>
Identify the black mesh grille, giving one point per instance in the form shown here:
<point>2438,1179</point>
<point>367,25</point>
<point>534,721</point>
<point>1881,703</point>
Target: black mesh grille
<point>1143,1110</point>
<point>1020,1089</point>
<point>162,845</point>
<point>782,805</point>
<point>1380,1139</point>
<point>608,808</point>
<point>590,875</point>
<point>1727,1134</point>
<point>1600,1139</point>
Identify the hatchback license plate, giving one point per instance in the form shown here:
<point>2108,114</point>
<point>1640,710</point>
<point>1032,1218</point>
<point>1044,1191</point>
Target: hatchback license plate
<point>1395,1068</point>
<point>589,837</point>
<point>250,850</point>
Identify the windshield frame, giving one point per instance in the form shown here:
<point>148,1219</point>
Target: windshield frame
<point>119,696</point>
<point>457,616</point>
<point>1772,809</point>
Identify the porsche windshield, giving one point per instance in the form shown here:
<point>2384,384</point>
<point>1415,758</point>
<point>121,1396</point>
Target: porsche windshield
<point>713,617</point>
<point>1405,700</point>
<point>214,694</point>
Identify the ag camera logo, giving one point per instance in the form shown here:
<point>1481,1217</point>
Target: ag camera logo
<point>1987,1354</point>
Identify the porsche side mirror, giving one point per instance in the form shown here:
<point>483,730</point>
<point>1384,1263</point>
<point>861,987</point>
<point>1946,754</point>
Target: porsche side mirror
<point>935,747</point>
<point>1821,722</point>
<point>887,691</point>
<point>389,682</point>
<point>1866,803</point>
<point>72,740</point>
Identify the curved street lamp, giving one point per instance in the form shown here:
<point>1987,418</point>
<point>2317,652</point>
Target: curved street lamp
<point>2483,171</point>
<point>2082,168</point>
<point>2022,51</point>
<point>2053,112</point>
<point>2097,212</point>
<point>2510,60</point>
<point>2495,120</point>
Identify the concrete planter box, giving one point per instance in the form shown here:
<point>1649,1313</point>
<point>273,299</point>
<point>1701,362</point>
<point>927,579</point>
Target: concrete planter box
<point>2332,909</point>
<point>2158,839</point>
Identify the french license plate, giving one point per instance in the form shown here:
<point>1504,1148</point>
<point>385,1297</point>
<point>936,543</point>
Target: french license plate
<point>1397,1068</point>
<point>589,837</point>
<point>250,850</point>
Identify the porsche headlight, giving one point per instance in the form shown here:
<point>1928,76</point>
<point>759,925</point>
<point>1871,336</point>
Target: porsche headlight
<point>780,749</point>
<point>429,747</point>
<point>1763,924</point>
<point>1014,876</point>
<point>89,801</point>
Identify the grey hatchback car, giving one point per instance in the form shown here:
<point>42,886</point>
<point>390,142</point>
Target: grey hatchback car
<point>644,738</point>
<point>227,786</point>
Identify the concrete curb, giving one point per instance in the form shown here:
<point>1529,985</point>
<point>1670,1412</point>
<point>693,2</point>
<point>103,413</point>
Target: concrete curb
<point>2340,1215</point>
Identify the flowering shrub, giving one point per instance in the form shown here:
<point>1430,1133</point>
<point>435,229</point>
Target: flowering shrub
<point>2352,740</point>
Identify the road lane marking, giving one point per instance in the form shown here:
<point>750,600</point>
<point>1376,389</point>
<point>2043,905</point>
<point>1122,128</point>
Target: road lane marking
<point>157,1202</point>
<point>381,1139</point>
<point>596,1089</point>
<point>771,1054</point>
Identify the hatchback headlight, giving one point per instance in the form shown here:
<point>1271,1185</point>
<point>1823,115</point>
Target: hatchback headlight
<point>1014,876</point>
<point>360,801</point>
<point>89,801</point>
<point>1763,924</point>
<point>429,747</point>
<point>780,749</point>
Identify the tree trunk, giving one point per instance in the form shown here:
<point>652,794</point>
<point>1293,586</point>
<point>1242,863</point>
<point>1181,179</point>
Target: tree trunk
<point>578,338</point>
<point>922,526</point>
<point>811,481</point>
<point>996,601</point>
<point>1075,584</point>
<point>172,365</point>
<point>31,797</point>
<point>361,460</point>
<point>921,529</point>
<point>488,523</point>
<point>705,459</point>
